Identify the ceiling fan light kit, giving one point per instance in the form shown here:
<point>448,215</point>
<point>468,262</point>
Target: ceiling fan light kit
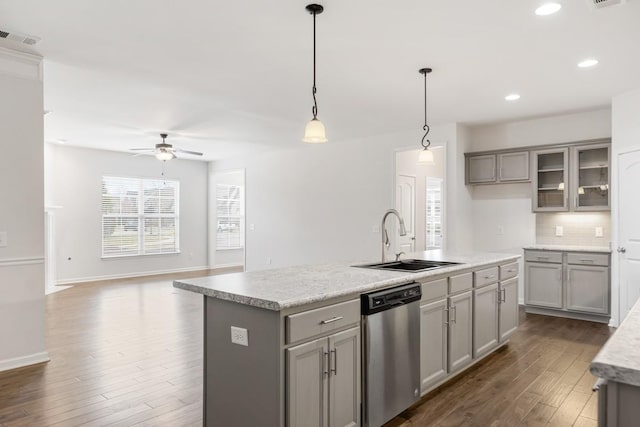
<point>314,132</point>
<point>165,151</point>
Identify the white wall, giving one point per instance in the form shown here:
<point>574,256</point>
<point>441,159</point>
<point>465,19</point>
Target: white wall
<point>319,203</point>
<point>226,257</point>
<point>77,176</point>
<point>503,220</point>
<point>21,210</point>
<point>626,137</point>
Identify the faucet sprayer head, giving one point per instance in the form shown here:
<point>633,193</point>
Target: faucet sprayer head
<point>403,230</point>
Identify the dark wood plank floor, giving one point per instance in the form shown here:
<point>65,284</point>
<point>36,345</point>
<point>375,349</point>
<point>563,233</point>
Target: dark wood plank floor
<point>129,352</point>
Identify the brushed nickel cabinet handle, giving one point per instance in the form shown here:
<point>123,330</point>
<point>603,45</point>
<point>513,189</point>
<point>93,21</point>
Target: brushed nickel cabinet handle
<point>334,368</point>
<point>333,319</point>
<point>325,363</point>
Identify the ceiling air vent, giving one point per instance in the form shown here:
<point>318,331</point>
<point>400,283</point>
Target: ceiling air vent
<point>19,37</point>
<point>599,4</point>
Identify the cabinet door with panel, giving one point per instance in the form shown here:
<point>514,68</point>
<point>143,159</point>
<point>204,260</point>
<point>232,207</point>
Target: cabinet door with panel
<point>509,313</point>
<point>550,180</point>
<point>513,166</point>
<point>433,343</point>
<point>590,177</point>
<point>588,289</point>
<point>481,169</point>
<point>460,331</point>
<point>344,378</point>
<point>543,284</point>
<point>307,385</point>
<point>485,319</point>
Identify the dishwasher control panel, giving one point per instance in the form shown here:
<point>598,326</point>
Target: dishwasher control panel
<point>389,298</point>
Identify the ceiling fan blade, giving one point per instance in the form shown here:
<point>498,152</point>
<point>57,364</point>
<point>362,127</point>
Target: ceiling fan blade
<point>142,149</point>
<point>179,150</point>
<point>138,154</point>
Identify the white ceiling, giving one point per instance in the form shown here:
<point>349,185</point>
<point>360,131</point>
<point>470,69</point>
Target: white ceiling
<point>227,76</point>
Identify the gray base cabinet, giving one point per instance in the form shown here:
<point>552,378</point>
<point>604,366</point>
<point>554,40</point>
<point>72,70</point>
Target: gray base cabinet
<point>567,283</point>
<point>509,313</point>
<point>460,331</point>
<point>486,318</point>
<point>618,404</point>
<point>323,381</point>
<point>433,343</point>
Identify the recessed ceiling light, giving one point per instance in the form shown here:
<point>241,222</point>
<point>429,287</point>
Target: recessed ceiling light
<point>512,97</point>
<point>548,9</point>
<point>588,63</point>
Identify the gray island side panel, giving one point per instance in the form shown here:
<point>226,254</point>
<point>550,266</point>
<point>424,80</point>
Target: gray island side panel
<point>241,384</point>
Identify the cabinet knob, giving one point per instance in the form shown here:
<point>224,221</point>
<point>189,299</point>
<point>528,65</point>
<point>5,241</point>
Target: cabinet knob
<point>622,250</point>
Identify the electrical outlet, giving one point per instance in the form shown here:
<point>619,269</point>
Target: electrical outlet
<point>599,232</point>
<point>375,229</point>
<point>500,230</point>
<point>559,230</point>
<point>252,227</point>
<point>239,336</point>
<point>3,239</point>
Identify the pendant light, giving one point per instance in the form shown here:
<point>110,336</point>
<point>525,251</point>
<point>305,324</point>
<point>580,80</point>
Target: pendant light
<point>314,132</point>
<point>426,156</point>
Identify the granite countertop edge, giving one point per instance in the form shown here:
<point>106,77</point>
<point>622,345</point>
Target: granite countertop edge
<point>283,303</point>
<point>619,359</point>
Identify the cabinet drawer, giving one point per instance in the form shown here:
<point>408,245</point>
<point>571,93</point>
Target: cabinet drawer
<point>485,277</point>
<point>588,259</point>
<point>508,271</point>
<point>435,289</point>
<point>461,282</point>
<point>322,320</point>
<point>543,256</point>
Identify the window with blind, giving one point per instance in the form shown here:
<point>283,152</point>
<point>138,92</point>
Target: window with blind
<point>433,226</point>
<point>229,213</point>
<point>139,216</point>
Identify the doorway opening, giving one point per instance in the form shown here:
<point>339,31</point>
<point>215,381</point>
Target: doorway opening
<point>419,198</point>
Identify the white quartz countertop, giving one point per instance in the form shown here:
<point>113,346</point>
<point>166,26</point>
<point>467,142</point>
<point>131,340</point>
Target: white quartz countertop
<point>284,288</point>
<point>570,248</point>
<point>619,358</point>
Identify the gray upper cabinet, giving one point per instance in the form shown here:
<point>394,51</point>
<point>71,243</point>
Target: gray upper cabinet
<point>498,168</point>
<point>481,169</point>
<point>433,343</point>
<point>513,166</point>
<point>590,177</point>
<point>551,180</point>
<point>460,331</point>
<point>485,315</point>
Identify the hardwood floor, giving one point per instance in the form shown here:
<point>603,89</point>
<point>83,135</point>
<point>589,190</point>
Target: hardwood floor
<point>129,352</point>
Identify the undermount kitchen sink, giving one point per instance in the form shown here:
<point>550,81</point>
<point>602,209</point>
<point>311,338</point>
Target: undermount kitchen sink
<point>411,265</point>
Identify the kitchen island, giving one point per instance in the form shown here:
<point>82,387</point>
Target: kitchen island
<point>617,366</point>
<point>295,358</point>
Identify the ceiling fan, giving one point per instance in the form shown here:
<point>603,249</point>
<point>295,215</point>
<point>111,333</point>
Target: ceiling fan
<point>164,151</point>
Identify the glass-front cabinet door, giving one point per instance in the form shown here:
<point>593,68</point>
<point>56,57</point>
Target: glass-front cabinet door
<point>550,180</point>
<point>590,180</point>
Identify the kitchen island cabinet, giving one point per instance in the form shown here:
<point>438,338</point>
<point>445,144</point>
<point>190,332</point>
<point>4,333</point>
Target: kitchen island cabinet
<point>289,341</point>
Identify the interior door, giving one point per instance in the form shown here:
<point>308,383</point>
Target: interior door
<point>629,230</point>
<point>406,206</point>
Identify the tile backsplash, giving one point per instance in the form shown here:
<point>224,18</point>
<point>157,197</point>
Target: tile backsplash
<point>579,228</point>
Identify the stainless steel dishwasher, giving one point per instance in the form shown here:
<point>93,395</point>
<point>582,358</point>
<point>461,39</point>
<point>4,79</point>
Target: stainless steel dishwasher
<point>391,322</point>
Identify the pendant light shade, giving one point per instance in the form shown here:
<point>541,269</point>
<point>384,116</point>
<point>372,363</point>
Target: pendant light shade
<point>314,132</point>
<point>426,156</point>
<point>165,155</point>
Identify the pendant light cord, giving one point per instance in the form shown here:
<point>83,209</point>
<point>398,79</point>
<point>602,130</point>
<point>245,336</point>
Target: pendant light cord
<point>314,109</point>
<point>426,126</point>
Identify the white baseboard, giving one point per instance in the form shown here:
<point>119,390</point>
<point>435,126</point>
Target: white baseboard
<point>227,265</point>
<point>19,362</point>
<point>128,275</point>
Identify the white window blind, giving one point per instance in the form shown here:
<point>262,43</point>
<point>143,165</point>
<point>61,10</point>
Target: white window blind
<point>139,216</point>
<point>229,212</point>
<point>434,213</point>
